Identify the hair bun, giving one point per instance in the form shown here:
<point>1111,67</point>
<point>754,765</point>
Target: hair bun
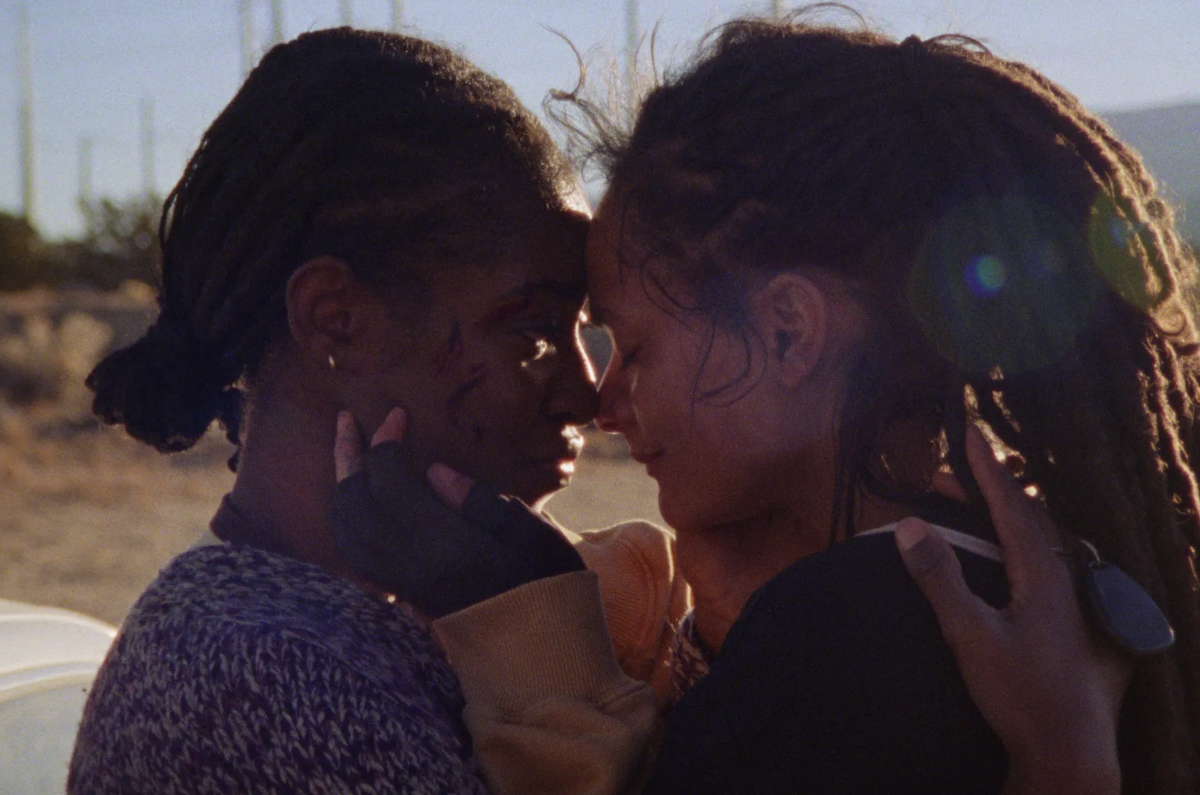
<point>165,391</point>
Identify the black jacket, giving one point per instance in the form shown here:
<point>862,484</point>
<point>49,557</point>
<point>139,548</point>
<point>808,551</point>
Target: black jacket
<point>836,679</point>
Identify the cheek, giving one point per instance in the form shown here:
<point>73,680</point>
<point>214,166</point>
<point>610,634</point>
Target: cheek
<point>731,368</point>
<point>494,404</point>
<point>669,394</point>
<point>714,480</point>
<point>462,409</point>
<point>721,459</point>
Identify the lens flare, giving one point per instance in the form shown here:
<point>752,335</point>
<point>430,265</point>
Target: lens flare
<point>1121,255</point>
<point>985,275</point>
<point>1002,282</point>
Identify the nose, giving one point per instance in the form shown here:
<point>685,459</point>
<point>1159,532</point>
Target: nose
<point>574,398</point>
<point>615,414</point>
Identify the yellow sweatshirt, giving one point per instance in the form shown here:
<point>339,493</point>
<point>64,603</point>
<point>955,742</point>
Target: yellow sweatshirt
<point>563,676</point>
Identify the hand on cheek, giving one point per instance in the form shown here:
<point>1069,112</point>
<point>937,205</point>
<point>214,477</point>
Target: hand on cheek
<point>441,542</point>
<point>348,446</point>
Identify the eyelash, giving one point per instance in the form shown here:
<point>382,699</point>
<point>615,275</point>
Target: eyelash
<point>546,331</point>
<point>547,338</point>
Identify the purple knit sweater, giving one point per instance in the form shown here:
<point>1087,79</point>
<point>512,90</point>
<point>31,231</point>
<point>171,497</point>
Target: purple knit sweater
<point>241,670</point>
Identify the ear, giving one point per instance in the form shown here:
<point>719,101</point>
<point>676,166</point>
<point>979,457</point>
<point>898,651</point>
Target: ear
<point>792,313</point>
<point>327,312</point>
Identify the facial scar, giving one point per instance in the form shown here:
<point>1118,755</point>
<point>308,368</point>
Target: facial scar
<point>474,377</point>
<point>453,347</point>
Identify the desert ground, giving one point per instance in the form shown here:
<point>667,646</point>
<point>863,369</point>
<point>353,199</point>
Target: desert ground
<point>88,516</point>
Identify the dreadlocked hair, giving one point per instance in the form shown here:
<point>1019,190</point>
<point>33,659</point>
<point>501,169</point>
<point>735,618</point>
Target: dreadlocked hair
<point>1020,271</point>
<point>390,152</point>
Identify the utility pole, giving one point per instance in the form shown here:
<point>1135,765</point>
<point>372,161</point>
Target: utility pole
<point>149,190</point>
<point>348,13</point>
<point>25,111</point>
<point>246,17</point>
<point>778,9</point>
<point>397,16</point>
<point>276,22</point>
<point>84,175</point>
<point>631,53</point>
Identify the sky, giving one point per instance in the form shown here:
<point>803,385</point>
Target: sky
<point>98,63</point>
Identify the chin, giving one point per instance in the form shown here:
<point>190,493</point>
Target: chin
<point>685,514</point>
<point>536,488</point>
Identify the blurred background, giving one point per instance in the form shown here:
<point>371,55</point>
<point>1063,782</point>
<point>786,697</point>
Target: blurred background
<point>103,101</point>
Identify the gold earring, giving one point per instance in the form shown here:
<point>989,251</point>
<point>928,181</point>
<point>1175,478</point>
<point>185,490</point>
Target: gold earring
<point>332,363</point>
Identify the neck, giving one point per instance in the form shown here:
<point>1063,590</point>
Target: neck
<point>725,565</point>
<point>285,477</point>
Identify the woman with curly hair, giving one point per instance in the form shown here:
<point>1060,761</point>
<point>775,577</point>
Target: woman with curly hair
<point>824,257</point>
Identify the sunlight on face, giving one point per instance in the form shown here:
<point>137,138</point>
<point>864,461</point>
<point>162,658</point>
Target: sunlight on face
<point>715,461</point>
<point>498,384</point>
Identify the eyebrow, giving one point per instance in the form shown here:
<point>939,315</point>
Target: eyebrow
<point>518,300</point>
<point>554,287</point>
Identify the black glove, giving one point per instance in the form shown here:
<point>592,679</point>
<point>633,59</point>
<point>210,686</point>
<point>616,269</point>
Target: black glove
<point>398,534</point>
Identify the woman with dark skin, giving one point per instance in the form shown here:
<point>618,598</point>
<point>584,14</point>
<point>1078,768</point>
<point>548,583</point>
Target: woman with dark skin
<point>371,222</point>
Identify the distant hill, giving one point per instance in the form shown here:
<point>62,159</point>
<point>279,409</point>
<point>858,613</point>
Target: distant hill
<point>1169,140</point>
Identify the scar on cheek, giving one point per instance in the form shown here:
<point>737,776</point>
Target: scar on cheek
<point>475,377</point>
<point>453,346</point>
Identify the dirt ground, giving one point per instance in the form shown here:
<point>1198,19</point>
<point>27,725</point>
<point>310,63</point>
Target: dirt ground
<point>88,516</point>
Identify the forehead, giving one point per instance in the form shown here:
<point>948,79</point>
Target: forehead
<point>542,261</point>
<point>604,241</point>
<point>626,286</point>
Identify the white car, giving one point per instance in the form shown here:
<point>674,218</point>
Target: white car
<point>48,659</point>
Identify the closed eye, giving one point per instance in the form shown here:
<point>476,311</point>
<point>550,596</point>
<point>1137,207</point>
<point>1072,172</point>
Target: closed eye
<point>627,359</point>
<point>545,339</point>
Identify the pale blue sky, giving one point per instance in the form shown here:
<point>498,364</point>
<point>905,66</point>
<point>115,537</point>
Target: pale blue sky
<point>95,61</point>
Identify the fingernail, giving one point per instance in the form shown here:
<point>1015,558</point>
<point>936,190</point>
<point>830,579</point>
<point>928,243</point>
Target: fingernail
<point>910,533</point>
<point>393,427</point>
<point>343,419</point>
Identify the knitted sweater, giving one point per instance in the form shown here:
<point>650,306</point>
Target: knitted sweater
<point>240,670</point>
